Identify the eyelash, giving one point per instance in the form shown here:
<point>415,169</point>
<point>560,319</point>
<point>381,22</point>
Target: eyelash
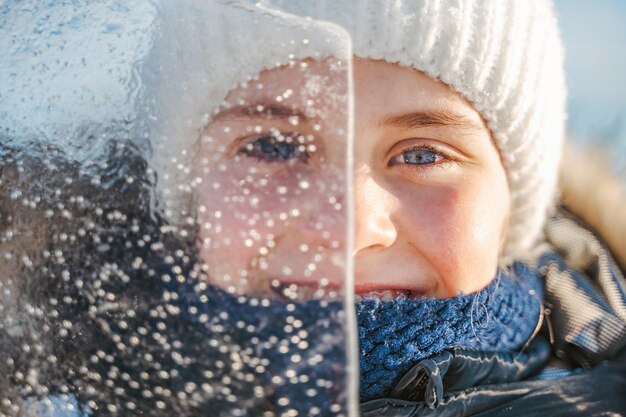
<point>442,158</point>
<point>268,147</point>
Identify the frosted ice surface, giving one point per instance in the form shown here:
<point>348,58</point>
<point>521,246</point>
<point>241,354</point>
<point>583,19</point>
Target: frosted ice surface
<point>172,216</point>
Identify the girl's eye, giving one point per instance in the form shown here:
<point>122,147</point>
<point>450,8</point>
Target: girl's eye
<point>418,156</point>
<point>272,148</point>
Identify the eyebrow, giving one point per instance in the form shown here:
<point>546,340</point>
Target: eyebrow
<point>431,118</point>
<point>261,111</point>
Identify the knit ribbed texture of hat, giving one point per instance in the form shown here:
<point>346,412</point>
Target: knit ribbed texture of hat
<point>504,57</point>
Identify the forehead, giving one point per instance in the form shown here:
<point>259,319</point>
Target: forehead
<point>386,88</point>
<point>299,84</point>
<point>382,92</point>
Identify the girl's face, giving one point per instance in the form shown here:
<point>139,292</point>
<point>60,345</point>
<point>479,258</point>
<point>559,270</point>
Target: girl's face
<point>270,187</point>
<point>431,195</point>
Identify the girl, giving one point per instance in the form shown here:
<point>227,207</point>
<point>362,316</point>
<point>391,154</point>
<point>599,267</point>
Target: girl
<point>458,127</point>
<point>228,306</point>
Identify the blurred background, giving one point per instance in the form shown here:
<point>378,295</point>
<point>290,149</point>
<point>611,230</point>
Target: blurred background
<point>594,34</point>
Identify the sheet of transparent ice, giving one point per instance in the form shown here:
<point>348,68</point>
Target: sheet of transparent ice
<point>173,211</point>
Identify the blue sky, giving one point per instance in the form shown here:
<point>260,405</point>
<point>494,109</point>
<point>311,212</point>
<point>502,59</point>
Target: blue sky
<point>594,34</point>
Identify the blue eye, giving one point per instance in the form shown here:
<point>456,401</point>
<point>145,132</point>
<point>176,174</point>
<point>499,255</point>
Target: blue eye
<point>418,156</point>
<point>270,148</point>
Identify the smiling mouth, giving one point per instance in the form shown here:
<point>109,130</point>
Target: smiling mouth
<point>389,295</point>
<point>313,290</point>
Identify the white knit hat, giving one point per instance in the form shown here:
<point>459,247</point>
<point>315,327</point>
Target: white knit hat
<point>203,50</point>
<point>504,57</point>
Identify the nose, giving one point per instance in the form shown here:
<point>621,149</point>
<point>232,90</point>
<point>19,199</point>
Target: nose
<point>310,248</point>
<point>374,228</point>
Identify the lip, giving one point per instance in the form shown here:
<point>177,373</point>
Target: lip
<point>389,295</point>
<point>329,285</point>
<point>389,292</point>
<point>305,290</point>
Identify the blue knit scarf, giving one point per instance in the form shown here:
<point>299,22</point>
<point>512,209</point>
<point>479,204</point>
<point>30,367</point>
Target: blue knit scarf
<point>245,356</point>
<point>395,335</point>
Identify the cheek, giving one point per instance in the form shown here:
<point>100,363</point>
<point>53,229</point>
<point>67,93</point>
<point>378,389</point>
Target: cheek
<point>483,220</point>
<point>440,224</point>
<point>252,226</point>
<point>458,230</point>
<point>237,222</point>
